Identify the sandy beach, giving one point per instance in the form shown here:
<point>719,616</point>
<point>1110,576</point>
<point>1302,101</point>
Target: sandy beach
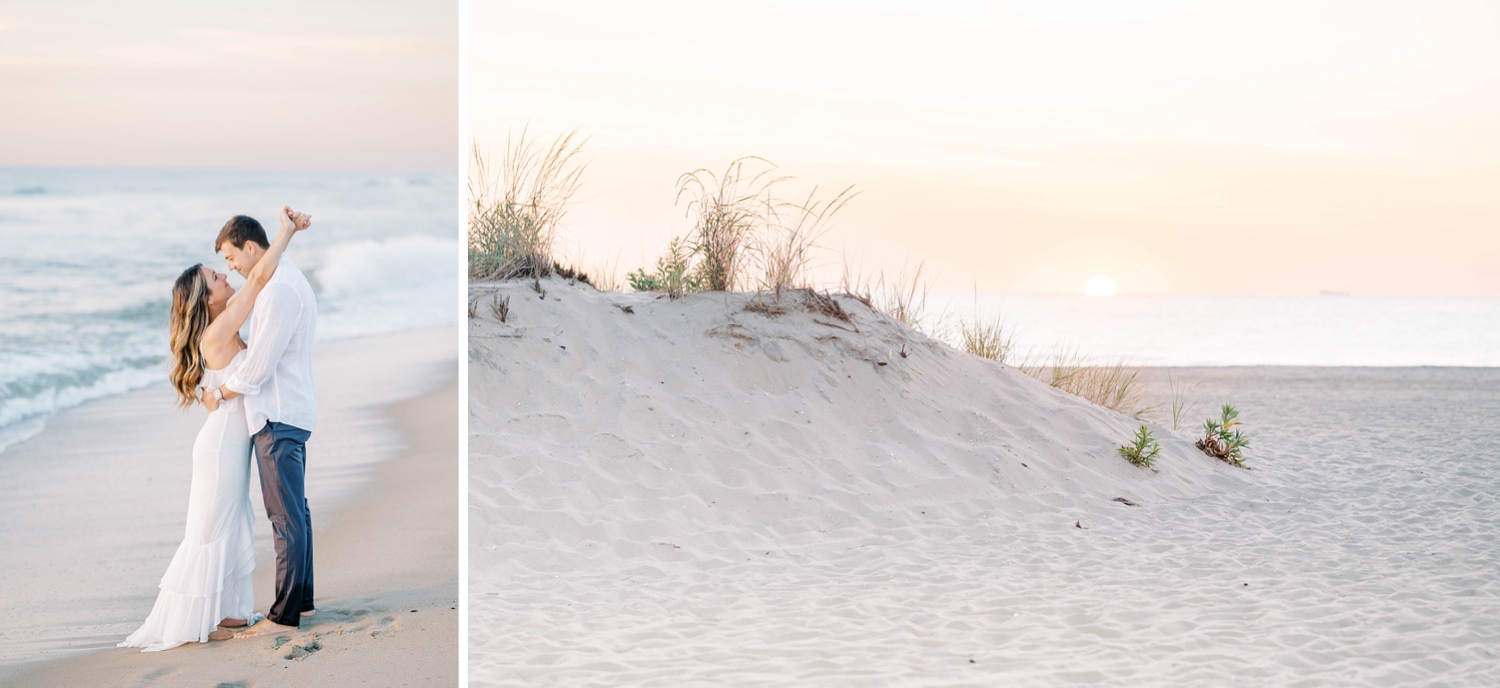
<point>92,509</point>
<point>696,493</point>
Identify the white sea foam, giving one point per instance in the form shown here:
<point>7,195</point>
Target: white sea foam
<point>376,286</point>
<point>362,267</point>
<point>22,418</point>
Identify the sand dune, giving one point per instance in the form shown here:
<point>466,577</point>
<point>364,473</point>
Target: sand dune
<point>694,492</point>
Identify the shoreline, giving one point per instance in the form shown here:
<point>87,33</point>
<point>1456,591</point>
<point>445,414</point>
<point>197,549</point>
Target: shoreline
<point>387,427</point>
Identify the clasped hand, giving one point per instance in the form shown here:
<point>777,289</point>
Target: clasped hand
<point>293,220</point>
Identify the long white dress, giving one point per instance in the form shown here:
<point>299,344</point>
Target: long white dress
<point>209,577</point>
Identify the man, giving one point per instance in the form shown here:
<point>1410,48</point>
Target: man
<point>276,381</point>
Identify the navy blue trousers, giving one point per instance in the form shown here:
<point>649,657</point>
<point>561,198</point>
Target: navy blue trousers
<point>281,455</point>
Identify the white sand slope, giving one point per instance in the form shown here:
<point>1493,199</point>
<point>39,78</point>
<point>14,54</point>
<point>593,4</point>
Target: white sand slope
<point>697,492</point>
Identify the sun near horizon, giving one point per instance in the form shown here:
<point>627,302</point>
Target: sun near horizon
<point>1100,285</point>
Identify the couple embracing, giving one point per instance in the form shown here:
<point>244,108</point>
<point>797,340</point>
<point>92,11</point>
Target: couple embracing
<point>258,395</point>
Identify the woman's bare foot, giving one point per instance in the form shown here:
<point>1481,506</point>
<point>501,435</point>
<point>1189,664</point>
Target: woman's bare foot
<point>220,634</point>
<point>233,623</point>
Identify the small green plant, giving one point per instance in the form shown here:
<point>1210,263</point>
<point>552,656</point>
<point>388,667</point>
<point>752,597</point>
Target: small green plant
<point>674,273</point>
<point>1142,449</point>
<point>1218,440</point>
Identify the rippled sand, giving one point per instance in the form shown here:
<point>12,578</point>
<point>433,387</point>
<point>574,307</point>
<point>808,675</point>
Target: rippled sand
<point>695,494</point>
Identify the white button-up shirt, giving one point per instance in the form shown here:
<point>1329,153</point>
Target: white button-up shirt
<point>276,375</point>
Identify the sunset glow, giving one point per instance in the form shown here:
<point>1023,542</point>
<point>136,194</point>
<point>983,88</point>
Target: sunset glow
<point>1004,140</point>
<point>230,86</point>
<point>1100,285</point>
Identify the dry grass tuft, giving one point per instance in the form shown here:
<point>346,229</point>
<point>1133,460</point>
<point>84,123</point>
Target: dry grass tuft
<point>727,209</point>
<point>743,236</point>
<point>784,251</point>
<point>762,306</point>
<point>515,210</point>
<point>606,275</point>
<point>500,307</point>
<point>987,337</point>
<point>905,298</point>
<point>571,275</point>
<point>1182,397</point>
<point>1116,386</point>
<point>853,285</point>
<point>824,304</point>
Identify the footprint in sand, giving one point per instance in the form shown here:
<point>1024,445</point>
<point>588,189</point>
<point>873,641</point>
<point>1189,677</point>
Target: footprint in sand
<point>384,627</point>
<point>301,651</point>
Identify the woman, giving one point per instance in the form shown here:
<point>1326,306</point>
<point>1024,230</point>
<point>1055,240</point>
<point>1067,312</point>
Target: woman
<point>207,585</point>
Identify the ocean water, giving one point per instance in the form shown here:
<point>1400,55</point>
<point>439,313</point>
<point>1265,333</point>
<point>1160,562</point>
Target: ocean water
<point>88,257</point>
<point>1238,330</point>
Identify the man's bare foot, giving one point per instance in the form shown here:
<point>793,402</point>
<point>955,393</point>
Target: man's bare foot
<point>263,627</point>
<point>233,623</point>
<point>310,612</point>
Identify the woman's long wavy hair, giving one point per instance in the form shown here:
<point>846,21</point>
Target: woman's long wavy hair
<point>188,321</point>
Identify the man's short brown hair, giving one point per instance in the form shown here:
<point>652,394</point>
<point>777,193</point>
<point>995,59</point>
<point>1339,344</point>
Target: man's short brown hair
<point>240,229</point>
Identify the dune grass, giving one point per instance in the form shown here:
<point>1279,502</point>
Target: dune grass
<point>987,337</point>
<point>743,236</point>
<point>1112,385</point>
<point>727,209</point>
<point>1181,396</point>
<point>784,250</point>
<point>515,209</point>
<point>903,298</point>
<point>606,276</point>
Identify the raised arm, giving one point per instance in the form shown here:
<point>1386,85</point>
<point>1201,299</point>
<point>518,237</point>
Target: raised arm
<point>240,305</point>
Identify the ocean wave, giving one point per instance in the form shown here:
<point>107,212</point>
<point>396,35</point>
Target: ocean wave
<point>398,264</point>
<point>378,286</point>
<point>23,417</point>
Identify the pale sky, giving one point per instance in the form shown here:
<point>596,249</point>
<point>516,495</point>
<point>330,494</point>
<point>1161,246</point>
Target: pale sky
<point>352,85</point>
<point>1179,147</point>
